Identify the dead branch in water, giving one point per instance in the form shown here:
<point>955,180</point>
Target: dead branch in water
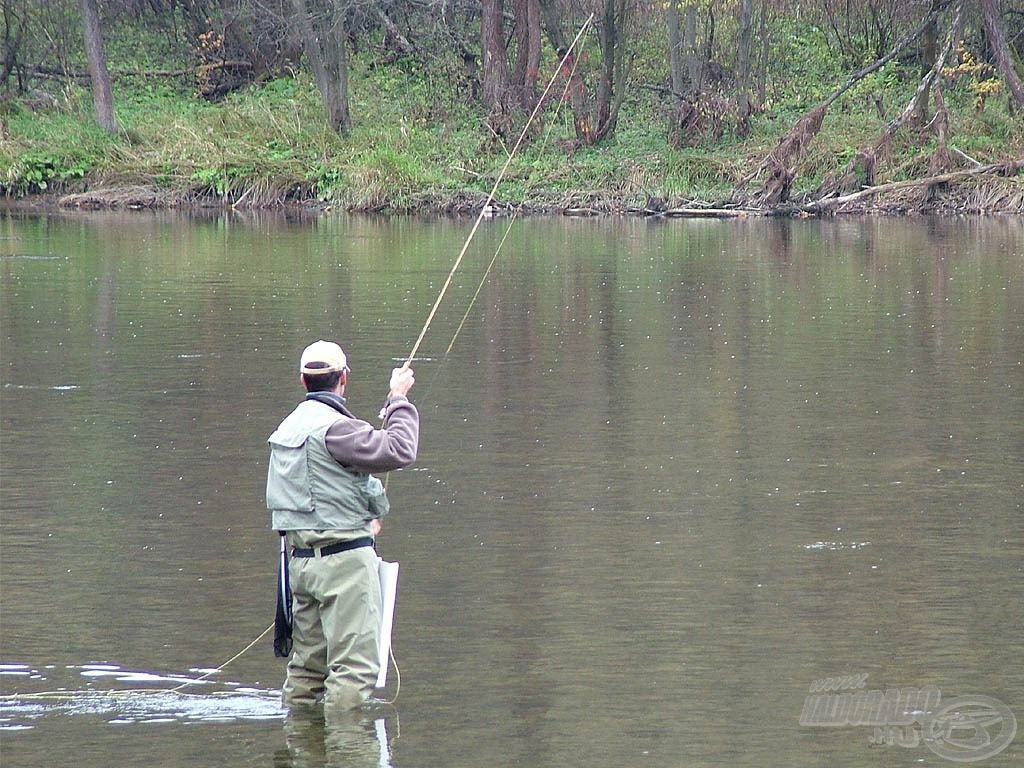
<point>823,205</point>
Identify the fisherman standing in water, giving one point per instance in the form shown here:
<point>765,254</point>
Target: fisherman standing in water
<point>323,498</point>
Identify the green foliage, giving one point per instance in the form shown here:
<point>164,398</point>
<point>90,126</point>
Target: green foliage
<point>330,182</point>
<point>803,67</point>
<point>36,171</point>
<point>884,82</point>
<point>690,174</point>
<point>418,140</point>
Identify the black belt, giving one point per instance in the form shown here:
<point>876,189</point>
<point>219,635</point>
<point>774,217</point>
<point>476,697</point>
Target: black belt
<point>332,549</point>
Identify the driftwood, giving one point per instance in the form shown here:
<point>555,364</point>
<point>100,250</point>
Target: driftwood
<point>995,169</point>
<point>710,213</point>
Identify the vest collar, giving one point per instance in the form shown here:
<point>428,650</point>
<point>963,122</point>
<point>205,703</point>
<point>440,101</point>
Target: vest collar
<point>335,401</point>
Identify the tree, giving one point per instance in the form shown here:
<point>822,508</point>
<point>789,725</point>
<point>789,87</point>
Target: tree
<point>611,87</point>
<point>595,118</point>
<point>1001,50</point>
<point>744,108</point>
<point>102,94</point>
<point>322,26</point>
<point>527,61</point>
<point>496,81</point>
<point>505,87</point>
<point>684,61</point>
<point>675,47</point>
<point>929,43</point>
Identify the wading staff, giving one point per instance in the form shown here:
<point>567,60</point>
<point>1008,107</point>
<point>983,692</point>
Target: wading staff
<point>494,189</point>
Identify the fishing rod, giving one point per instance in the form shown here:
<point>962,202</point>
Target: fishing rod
<point>465,246</point>
<point>490,196</point>
<point>179,690</point>
<point>508,230</point>
<point>444,289</point>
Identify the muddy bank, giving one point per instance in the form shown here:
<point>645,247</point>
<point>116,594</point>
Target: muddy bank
<point>982,195</point>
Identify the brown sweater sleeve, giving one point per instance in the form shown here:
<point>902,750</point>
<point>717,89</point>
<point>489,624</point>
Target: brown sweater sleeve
<point>358,444</point>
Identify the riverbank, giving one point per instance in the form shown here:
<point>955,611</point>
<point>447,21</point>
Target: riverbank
<point>999,196</point>
<point>268,147</point>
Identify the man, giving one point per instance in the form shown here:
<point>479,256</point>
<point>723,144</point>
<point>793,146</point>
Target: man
<point>323,498</point>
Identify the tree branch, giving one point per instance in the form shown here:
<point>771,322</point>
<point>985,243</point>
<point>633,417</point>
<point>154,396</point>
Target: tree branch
<point>1008,169</point>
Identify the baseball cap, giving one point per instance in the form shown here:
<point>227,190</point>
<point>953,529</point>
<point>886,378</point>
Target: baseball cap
<point>328,355</point>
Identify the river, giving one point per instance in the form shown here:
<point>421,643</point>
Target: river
<point>674,476</point>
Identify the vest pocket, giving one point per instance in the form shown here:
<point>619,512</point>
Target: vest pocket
<point>376,497</point>
<point>289,488</point>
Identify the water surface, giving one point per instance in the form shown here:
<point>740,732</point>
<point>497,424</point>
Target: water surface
<point>671,474</point>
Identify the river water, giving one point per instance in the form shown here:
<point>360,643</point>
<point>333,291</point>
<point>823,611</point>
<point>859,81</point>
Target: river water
<point>673,474</point>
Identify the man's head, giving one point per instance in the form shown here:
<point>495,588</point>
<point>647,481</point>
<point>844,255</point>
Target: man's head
<point>323,366</point>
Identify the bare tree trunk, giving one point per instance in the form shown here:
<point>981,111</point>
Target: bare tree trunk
<point>694,67</point>
<point>675,44</point>
<point>527,64</point>
<point>994,27</point>
<point>746,22</point>
<point>929,41</point>
<point>401,42</point>
<point>14,32</point>
<point>323,36</point>
<point>612,84</point>
<point>552,23</point>
<point>762,69</point>
<point>496,77</point>
<point>608,34</point>
<point>594,118</point>
<point>102,94</point>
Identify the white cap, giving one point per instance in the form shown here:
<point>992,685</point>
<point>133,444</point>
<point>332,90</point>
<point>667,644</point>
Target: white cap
<point>327,355</point>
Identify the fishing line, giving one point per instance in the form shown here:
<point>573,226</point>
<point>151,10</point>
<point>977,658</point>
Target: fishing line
<point>233,658</point>
<point>68,695</point>
<point>515,215</point>
<point>485,208</point>
<point>64,695</point>
<point>398,677</point>
<point>465,246</point>
<point>484,212</point>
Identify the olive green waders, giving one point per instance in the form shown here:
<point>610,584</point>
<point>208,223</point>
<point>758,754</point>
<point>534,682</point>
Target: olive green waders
<point>336,620</point>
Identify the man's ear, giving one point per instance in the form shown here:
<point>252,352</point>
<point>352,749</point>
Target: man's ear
<point>344,378</point>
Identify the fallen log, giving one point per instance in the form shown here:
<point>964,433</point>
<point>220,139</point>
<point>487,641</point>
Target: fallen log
<point>1007,170</point>
<point>710,213</point>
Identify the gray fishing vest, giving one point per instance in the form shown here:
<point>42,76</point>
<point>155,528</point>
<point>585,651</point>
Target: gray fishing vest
<point>307,489</point>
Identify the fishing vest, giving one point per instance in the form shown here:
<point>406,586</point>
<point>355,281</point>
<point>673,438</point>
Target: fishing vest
<point>307,489</point>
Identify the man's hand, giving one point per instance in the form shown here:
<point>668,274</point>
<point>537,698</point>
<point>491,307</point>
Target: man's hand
<point>375,527</point>
<point>401,381</point>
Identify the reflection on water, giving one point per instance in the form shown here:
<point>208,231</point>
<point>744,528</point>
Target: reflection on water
<point>315,739</point>
<point>671,474</point>
<point>50,696</point>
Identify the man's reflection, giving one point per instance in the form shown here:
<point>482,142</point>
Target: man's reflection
<point>349,739</point>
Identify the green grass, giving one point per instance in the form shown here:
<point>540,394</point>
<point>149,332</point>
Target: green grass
<point>415,144</point>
